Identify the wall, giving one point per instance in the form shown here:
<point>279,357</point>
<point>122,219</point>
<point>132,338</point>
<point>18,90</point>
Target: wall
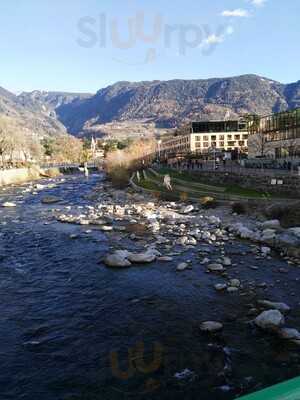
<point>290,186</point>
<point>21,175</point>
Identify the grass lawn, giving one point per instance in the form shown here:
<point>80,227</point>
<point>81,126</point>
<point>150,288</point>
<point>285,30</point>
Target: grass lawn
<point>195,177</point>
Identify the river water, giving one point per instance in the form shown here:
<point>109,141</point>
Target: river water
<point>72,329</point>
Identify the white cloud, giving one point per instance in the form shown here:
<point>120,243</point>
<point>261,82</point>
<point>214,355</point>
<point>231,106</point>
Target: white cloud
<point>216,38</point>
<point>239,12</point>
<point>258,3</point>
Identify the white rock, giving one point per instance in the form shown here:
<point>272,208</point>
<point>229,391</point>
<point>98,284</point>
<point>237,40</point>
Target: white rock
<point>268,234</point>
<point>211,326</point>
<point>187,209</point>
<point>270,320</point>
<point>215,267</point>
<point>9,204</point>
<point>226,261</point>
<point>272,224</point>
<point>116,261</point>
<point>182,266</point>
<point>106,228</point>
<point>290,334</point>
<point>235,283</point>
<point>220,286</point>
<point>165,259</point>
<point>140,258</point>
<point>265,251</point>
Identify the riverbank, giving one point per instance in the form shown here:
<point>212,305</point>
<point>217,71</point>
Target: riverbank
<point>18,176</point>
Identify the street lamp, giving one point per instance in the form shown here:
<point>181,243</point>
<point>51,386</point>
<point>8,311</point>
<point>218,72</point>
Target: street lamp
<point>159,144</point>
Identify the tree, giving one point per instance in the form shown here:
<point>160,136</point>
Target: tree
<point>67,149</point>
<point>4,138</point>
<point>258,144</point>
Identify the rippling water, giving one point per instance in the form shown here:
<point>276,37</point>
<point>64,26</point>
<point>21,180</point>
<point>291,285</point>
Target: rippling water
<point>67,323</point>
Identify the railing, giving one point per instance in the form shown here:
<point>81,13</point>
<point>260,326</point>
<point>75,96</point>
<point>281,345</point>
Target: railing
<point>233,167</point>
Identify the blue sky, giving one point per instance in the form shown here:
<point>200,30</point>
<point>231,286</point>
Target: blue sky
<point>84,45</point>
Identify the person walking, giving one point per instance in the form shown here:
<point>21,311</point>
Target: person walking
<point>167,182</point>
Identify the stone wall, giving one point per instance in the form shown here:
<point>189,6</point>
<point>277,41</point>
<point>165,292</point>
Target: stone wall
<point>290,184</point>
<point>22,175</point>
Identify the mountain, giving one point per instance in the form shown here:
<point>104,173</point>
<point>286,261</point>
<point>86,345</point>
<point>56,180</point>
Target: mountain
<point>169,104</point>
<point>29,119</point>
<point>145,108</point>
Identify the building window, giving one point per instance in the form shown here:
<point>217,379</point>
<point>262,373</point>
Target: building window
<point>206,138</point>
<point>221,137</point>
<point>205,144</point>
<point>198,138</point>
<point>237,137</point>
<point>221,144</point>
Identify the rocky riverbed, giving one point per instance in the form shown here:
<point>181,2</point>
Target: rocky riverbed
<point>110,294</point>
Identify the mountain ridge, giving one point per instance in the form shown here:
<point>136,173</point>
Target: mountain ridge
<point>147,106</point>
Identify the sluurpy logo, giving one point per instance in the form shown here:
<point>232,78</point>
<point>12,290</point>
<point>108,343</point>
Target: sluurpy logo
<point>136,364</point>
<point>105,32</point>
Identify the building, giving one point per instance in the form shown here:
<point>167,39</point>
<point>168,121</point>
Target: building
<point>275,136</point>
<point>206,136</point>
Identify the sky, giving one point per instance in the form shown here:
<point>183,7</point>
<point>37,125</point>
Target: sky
<point>85,45</point>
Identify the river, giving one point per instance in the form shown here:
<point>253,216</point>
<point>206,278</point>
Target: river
<point>68,323</point>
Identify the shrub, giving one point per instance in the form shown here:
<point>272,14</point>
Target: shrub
<point>119,177</point>
<point>239,208</point>
<point>208,202</point>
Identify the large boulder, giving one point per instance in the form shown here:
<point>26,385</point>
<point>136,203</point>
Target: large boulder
<point>141,258</point>
<point>270,320</point>
<point>117,260</point>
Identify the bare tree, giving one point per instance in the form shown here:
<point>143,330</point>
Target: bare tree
<point>7,139</point>
<point>258,144</point>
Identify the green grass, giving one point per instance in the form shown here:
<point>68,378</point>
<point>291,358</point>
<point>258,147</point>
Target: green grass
<point>195,177</point>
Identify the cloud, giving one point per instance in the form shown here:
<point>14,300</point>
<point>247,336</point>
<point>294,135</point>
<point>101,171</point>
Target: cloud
<point>258,3</point>
<point>239,12</point>
<point>213,39</point>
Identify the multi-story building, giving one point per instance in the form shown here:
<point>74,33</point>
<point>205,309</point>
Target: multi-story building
<point>275,136</point>
<point>203,137</point>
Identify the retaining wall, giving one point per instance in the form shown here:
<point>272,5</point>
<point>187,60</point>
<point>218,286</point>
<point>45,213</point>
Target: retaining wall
<point>22,175</point>
<point>290,184</point>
